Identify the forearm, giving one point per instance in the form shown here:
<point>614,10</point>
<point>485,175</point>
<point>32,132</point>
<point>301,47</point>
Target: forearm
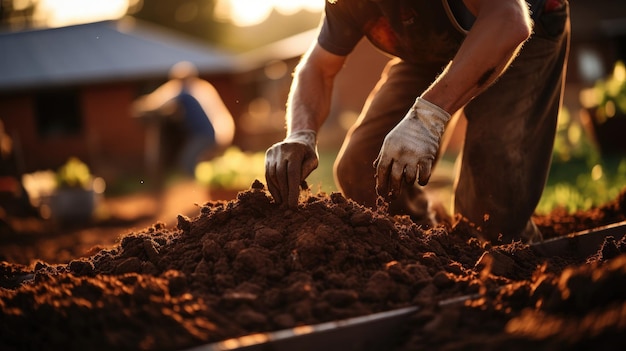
<point>309,100</point>
<point>310,96</point>
<point>490,46</point>
<point>162,100</point>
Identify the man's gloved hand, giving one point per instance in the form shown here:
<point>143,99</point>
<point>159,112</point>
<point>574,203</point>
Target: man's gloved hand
<point>288,163</point>
<point>409,149</point>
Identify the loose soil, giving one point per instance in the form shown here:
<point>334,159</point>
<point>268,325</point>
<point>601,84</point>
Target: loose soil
<point>248,266</point>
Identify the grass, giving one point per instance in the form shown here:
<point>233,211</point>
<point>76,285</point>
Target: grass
<point>581,176</point>
<point>580,184</point>
<point>321,179</point>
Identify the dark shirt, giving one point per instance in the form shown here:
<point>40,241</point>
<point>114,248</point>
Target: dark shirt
<point>196,120</point>
<point>418,31</point>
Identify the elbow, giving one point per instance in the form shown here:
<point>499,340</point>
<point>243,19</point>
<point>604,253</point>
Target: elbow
<point>522,27</point>
<point>513,21</point>
<point>321,63</point>
<point>523,30</point>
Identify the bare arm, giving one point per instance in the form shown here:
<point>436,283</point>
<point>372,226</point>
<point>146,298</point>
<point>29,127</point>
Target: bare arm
<point>289,162</point>
<point>216,110</point>
<point>309,99</point>
<point>160,100</point>
<point>500,29</point>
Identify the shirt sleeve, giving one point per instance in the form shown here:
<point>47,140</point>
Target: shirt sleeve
<point>338,34</point>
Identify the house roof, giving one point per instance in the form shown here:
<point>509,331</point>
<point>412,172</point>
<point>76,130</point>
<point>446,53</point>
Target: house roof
<point>283,49</point>
<point>100,52</point>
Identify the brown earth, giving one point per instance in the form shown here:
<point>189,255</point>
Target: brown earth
<point>247,266</point>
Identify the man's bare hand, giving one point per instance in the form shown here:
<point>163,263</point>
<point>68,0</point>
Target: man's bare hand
<point>288,163</point>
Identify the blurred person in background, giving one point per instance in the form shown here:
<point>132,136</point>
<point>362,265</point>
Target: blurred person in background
<point>502,63</point>
<point>194,102</point>
<point>14,199</point>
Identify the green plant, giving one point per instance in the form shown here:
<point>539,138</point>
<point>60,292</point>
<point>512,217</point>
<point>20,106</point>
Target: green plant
<point>570,142</point>
<point>235,169</point>
<point>580,176</point>
<point>74,174</point>
<point>584,187</point>
<point>608,96</point>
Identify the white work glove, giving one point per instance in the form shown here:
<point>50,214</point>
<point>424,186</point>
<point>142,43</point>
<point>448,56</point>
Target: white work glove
<point>409,149</point>
<point>288,163</point>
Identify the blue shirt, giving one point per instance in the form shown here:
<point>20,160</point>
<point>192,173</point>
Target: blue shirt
<point>196,120</point>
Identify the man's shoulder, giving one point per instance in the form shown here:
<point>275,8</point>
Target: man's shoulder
<point>353,5</point>
<point>356,11</point>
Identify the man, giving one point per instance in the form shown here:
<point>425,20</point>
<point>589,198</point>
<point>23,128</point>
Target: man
<point>208,124</point>
<point>501,62</point>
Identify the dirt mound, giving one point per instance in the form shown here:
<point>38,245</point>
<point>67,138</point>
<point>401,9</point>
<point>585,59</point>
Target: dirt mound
<point>248,266</point>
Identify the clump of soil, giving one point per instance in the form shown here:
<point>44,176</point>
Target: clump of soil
<point>249,266</point>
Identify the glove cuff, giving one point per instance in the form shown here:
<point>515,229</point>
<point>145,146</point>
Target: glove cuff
<point>422,104</point>
<point>307,137</point>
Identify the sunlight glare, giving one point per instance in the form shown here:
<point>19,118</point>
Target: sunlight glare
<point>290,7</point>
<point>20,5</point>
<point>245,13</point>
<point>596,172</point>
<point>57,13</point>
<point>619,72</point>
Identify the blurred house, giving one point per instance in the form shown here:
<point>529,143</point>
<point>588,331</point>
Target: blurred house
<point>68,91</point>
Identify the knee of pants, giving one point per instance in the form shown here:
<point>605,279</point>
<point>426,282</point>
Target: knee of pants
<point>343,171</point>
<point>355,179</point>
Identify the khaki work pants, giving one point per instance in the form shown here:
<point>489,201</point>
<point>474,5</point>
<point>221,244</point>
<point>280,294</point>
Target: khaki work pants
<point>508,144</point>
